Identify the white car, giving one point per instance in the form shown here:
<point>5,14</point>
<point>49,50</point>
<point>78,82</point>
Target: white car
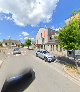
<point>16,51</point>
<point>44,54</point>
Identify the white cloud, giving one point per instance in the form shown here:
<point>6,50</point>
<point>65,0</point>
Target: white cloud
<point>25,38</point>
<point>25,33</point>
<point>19,35</point>
<point>28,12</point>
<point>21,38</point>
<point>9,36</point>
<point>56,29</point>
<point>32,38</point>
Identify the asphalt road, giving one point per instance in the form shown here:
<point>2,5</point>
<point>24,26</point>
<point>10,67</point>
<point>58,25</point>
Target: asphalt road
<point>48,79</point>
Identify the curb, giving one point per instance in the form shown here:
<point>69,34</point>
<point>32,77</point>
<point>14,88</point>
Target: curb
<point>1,62</point>
<point>77,79</point>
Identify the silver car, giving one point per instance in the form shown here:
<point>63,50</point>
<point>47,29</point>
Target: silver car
<point>44,54</point>
<point>16,51</point>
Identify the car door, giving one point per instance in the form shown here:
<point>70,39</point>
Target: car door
<point>40,54</point>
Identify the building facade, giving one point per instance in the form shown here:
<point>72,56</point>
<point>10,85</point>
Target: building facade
<point>46,39</point>
<point>11,43</point>
<point>75,17</point>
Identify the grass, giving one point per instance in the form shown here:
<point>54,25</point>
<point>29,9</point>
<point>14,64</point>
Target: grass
<point>71,66</point>
<point>72,69</point>
<point>78,71</point>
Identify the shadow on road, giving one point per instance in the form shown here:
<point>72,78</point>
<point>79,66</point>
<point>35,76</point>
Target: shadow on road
<point>65,60</point>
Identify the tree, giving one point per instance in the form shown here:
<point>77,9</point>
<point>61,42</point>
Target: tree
<point>0,44</point>
<point>74,12</point>
<point>69,36</point>
<point>22,44</point>
<point>28,43</point>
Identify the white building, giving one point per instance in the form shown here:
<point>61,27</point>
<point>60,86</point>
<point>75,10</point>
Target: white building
<point>11,43</point>
<point>45,39</point>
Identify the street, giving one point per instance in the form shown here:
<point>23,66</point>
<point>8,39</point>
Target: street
<point>48,78</point>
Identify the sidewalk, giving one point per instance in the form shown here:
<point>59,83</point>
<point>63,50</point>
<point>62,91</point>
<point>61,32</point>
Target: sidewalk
<point>1,62</point>
<point>2,58</point>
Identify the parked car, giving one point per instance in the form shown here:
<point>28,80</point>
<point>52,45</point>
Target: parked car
<point>16,51</point>
<point>37,53</point>
<point>44,54</point>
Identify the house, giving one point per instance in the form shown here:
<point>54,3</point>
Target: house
<point>11,43</point>
<point>46,39</point>
<point>75,17</point>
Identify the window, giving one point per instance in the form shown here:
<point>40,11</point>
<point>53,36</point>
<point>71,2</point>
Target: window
<point>57,47</point>
<point>5,43</point>
<point>50,38</point>
<point>12,43</point>
<point>42,40</point>
<point>41,35</point>
<point>53,47</point>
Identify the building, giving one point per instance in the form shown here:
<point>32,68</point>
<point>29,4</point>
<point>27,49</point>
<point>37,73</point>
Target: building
<point>11,43</point>
<point>46,39</point>
<point>75,17</point>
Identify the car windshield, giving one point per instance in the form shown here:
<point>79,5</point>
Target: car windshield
<point>45,52</point>
<point>16,49</point>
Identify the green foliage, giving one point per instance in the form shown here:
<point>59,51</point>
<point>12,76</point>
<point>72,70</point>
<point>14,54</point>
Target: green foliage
<point>28,42</point>
<point>69,36</point>
<point>71,66</point>
<point>0,44</point>
<point>74,12</point>
<point>22,44</point>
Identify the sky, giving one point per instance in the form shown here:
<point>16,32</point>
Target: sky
<point>22,19</point>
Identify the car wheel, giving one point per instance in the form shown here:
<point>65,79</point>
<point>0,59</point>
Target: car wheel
<point>45,59</point>
<point>36,55</point>
<point>49,61</point>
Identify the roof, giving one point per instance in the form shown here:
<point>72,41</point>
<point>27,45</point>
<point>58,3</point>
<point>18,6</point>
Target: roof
<point>11,41</point>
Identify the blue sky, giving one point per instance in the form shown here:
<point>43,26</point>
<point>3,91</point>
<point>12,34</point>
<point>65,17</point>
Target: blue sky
<point>13,27</point>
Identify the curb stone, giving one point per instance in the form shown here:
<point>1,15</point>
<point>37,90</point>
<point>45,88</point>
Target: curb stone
<point>1,62</point>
